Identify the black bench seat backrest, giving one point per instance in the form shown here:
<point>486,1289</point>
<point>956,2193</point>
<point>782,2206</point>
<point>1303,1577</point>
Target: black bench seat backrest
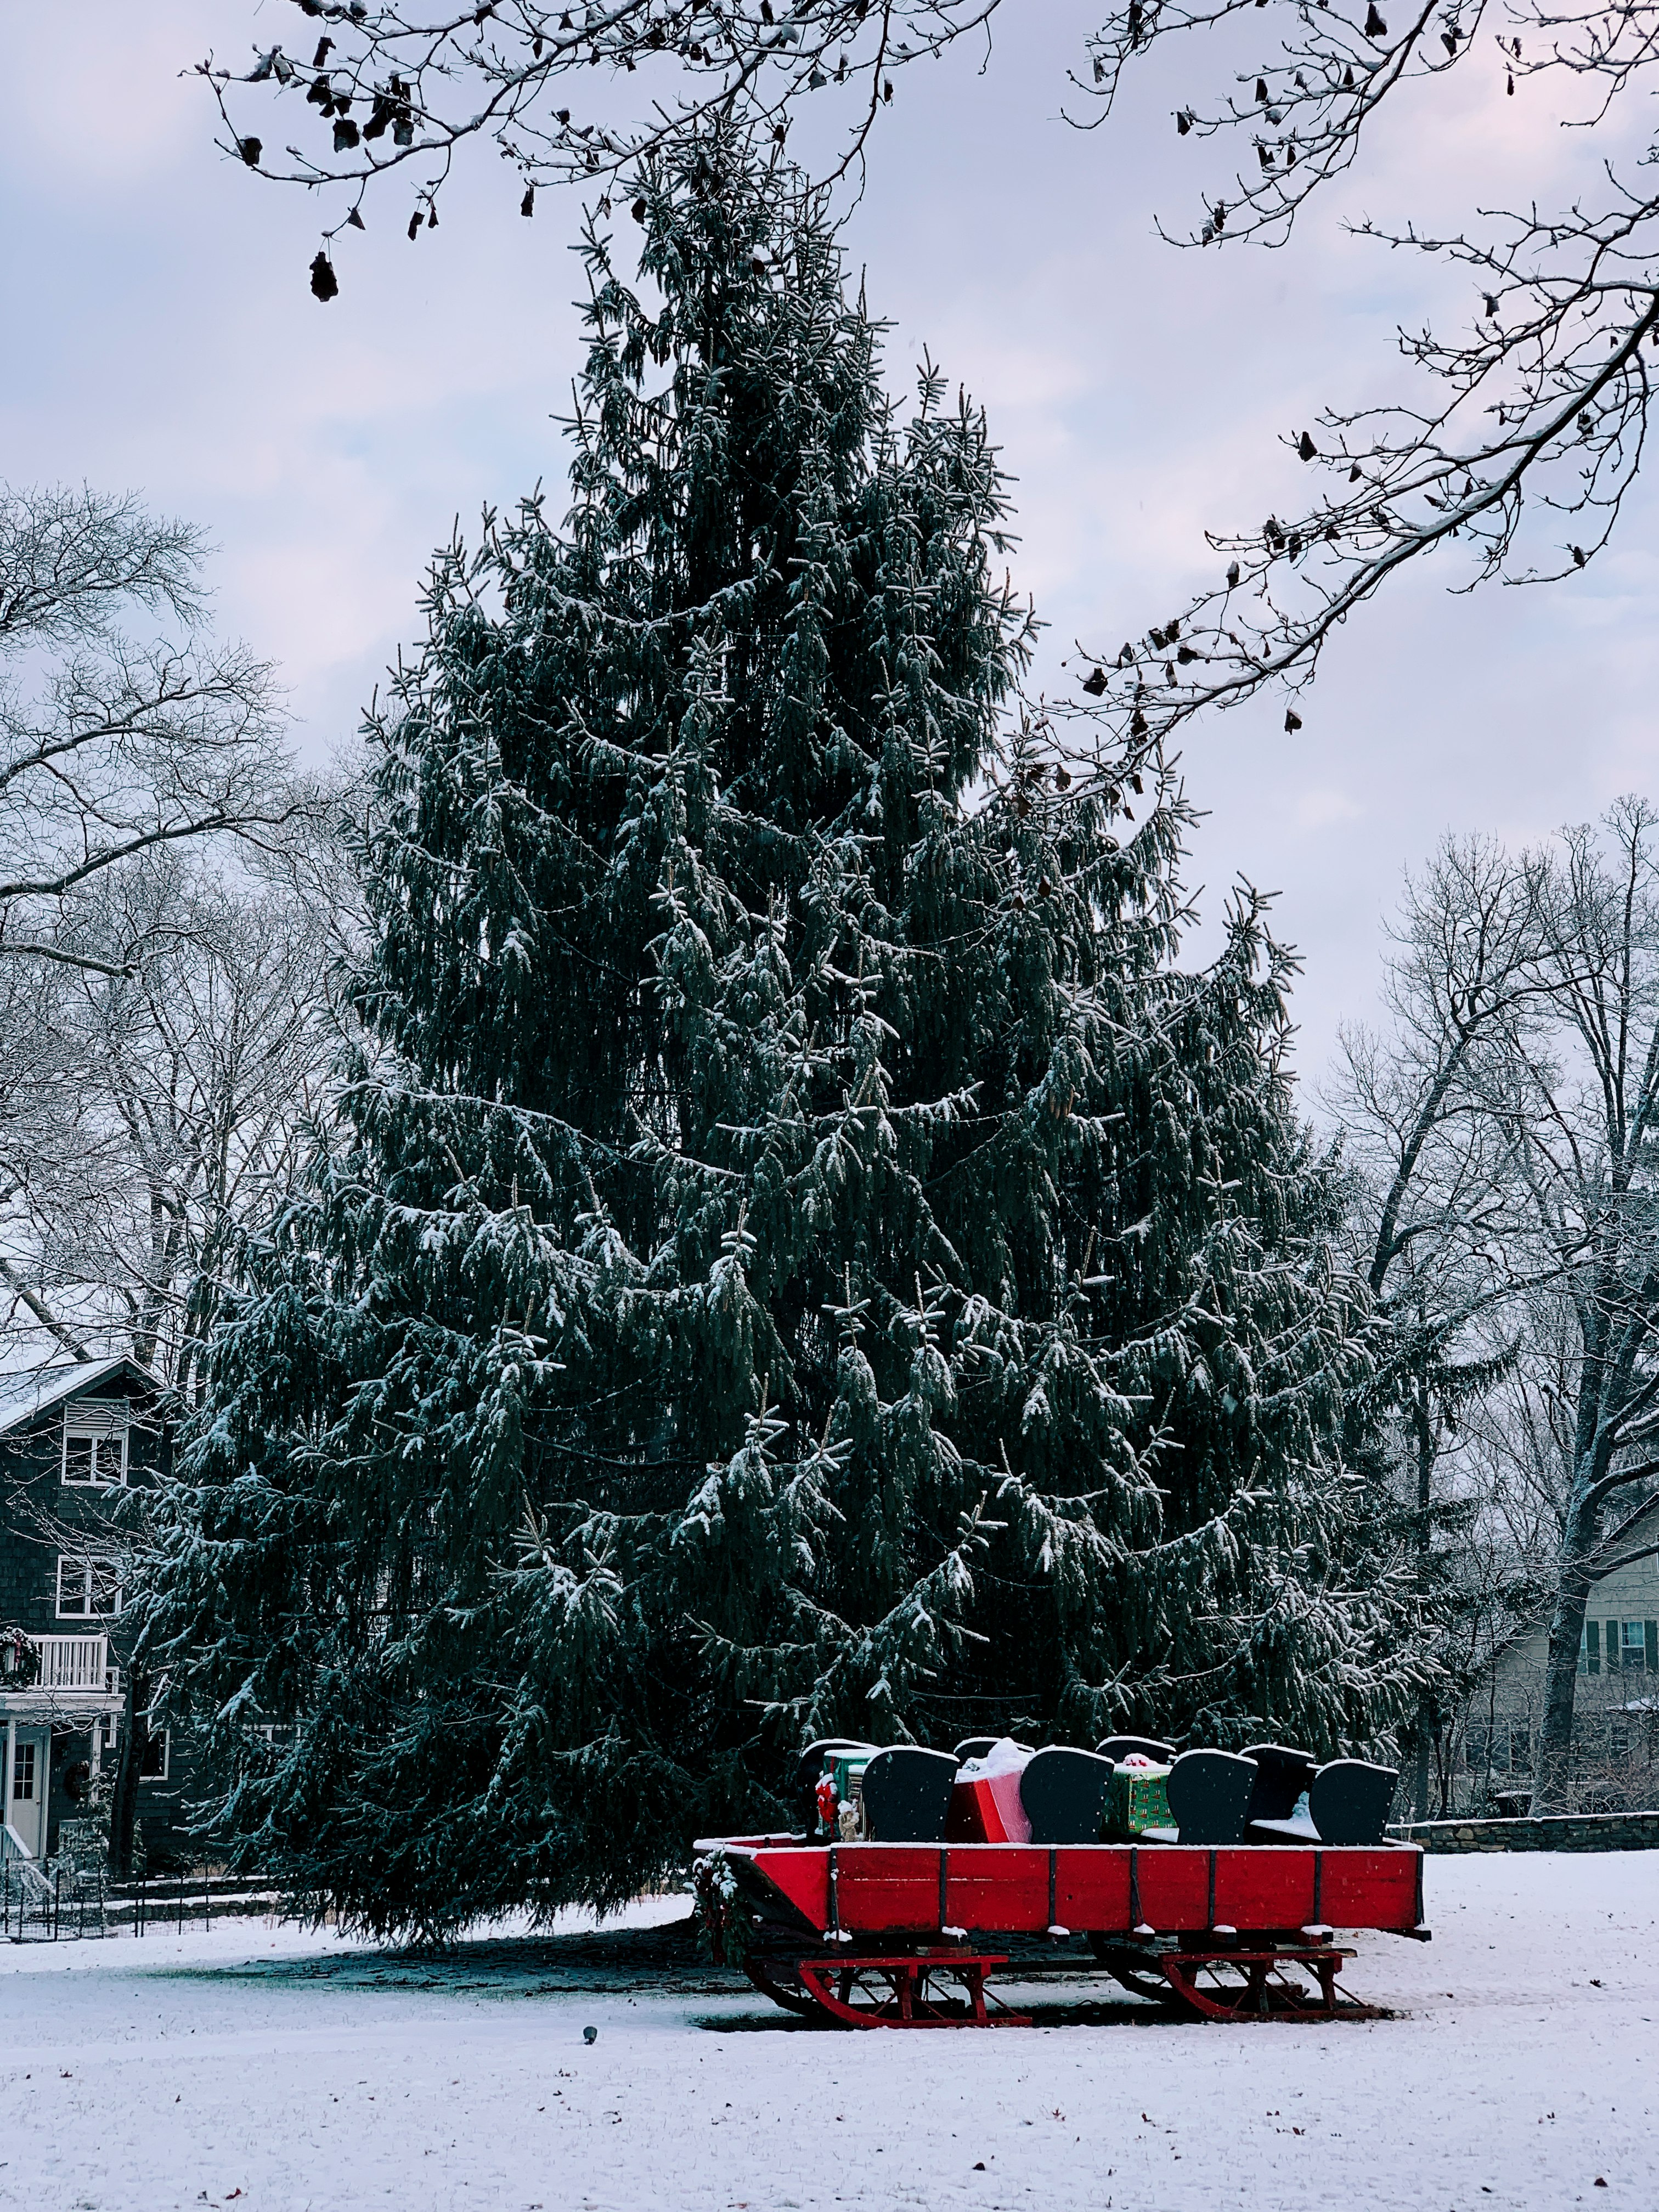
<point>1063,1792</point>
<point>1282,1773</point>
<point>1349,1800</point>
<point>1210,1796</point>
<point>975,1746</point>
<point>907,1795</point>
<point>1117,1749</point>
<point>819,1755</point>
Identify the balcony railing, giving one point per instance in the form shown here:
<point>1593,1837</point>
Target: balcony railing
<point>77,1662</point>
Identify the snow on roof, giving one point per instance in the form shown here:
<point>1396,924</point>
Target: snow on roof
<point>25,1395</point>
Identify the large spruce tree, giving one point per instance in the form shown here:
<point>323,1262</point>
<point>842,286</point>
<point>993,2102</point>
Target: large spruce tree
<point>800,1254</point>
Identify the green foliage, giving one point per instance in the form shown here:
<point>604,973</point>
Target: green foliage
<point>800,1257</point>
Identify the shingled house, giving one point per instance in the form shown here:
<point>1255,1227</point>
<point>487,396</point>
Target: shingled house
<point>1616,1711</point>
<point>73,1438</point>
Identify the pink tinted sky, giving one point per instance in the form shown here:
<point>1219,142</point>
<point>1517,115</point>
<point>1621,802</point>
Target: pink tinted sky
<point>162,337</point>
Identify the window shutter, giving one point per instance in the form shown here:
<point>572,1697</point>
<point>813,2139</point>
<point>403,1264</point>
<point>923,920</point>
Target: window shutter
<point>98,1417</point>
<point>1593,1645</point>
<point>1613,1647</point>
<point>1651,1634</point>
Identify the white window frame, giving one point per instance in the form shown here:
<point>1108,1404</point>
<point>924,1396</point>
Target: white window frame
<point>25,1754</point>
<point>1637,1663</point>
<point>107,1435</point>
<point>82,1564</point>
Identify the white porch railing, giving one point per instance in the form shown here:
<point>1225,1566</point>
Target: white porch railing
<point>76,1663</point>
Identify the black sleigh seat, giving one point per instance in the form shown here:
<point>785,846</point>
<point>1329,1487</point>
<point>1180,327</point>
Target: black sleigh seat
<point>1283,1776</point>
<point>822,1753</point>
<point>1350,1799</point>
<point>907,1795</point>
<point>1210,1796</point>
<point>1348,1802</point>
<point>1063,1792</point>
<point>974,1747</point>
<point>1117,1749</point>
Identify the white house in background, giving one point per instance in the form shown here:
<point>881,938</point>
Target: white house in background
<point>73,1438</point>
<point>1616,1723</point>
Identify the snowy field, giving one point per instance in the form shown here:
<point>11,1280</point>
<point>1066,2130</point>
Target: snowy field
<point>269,2069</point>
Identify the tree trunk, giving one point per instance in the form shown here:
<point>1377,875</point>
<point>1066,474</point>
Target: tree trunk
<point>129,1768</point>
<point>1423,1425</point>
<point>1553,1784</point>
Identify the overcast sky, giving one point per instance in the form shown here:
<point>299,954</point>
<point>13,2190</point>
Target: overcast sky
<point>159,337</point>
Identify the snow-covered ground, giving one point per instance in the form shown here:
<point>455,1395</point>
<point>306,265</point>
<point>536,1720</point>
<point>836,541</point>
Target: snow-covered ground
<point>274,2068</point>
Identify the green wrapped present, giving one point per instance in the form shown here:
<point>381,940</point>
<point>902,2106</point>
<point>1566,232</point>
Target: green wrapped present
<point>848,1771</point>
<point>1138,1798</point>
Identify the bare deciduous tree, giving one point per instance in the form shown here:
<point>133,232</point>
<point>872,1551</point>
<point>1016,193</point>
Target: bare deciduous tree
<point>1433,1173</point>
<point>398,89</point>
<point>1534,1190</point>
<point>120,748</point>
<point>168,1109</point>
<point>1537,405</point>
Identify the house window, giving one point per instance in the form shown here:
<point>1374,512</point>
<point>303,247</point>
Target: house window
<point>96,1446</point>
<point>1589,1648</point>
<point>157,1752</point>
<point>1618,1743</point>
<point>1632,1645</point>
<point>22,1773</point>
<point>1519,1746</point>
<point>88,1588</point>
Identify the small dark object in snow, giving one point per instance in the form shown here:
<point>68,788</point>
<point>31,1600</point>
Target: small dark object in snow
<point>1600,2183</point>
<point>979,2166</point>
<point>1595,1984</point>
<point>590,2035</point>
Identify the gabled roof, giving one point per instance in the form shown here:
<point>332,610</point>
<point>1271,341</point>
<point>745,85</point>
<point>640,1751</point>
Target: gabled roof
<point>33,1391</point>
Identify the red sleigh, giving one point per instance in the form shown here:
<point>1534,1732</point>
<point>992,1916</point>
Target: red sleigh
<point>890,1930</point>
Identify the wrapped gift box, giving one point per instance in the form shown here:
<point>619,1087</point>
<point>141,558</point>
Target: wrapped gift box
<point>1138,1798</point>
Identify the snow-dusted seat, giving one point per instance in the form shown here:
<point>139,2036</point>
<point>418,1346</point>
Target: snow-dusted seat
<point>1284,1775</point>
<point>973,1747</point>
<point>1348,1802</point>
<point>1117,1749</point>
<point>817,1756</point>
<point>907,1795</point>
<point>1350,1799</point>
<point>1063,1791</point>
<point>1209,1799</point>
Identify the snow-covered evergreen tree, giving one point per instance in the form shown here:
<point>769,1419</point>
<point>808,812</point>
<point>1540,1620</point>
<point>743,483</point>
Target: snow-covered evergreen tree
<point>801,1256</point>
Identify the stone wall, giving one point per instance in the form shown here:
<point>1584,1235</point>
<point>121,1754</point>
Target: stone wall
<point>1572,1831</point>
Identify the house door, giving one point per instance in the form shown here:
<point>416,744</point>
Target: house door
<point>26,1808</point>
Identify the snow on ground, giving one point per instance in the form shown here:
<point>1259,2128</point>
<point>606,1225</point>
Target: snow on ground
<point>272,2067</point>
